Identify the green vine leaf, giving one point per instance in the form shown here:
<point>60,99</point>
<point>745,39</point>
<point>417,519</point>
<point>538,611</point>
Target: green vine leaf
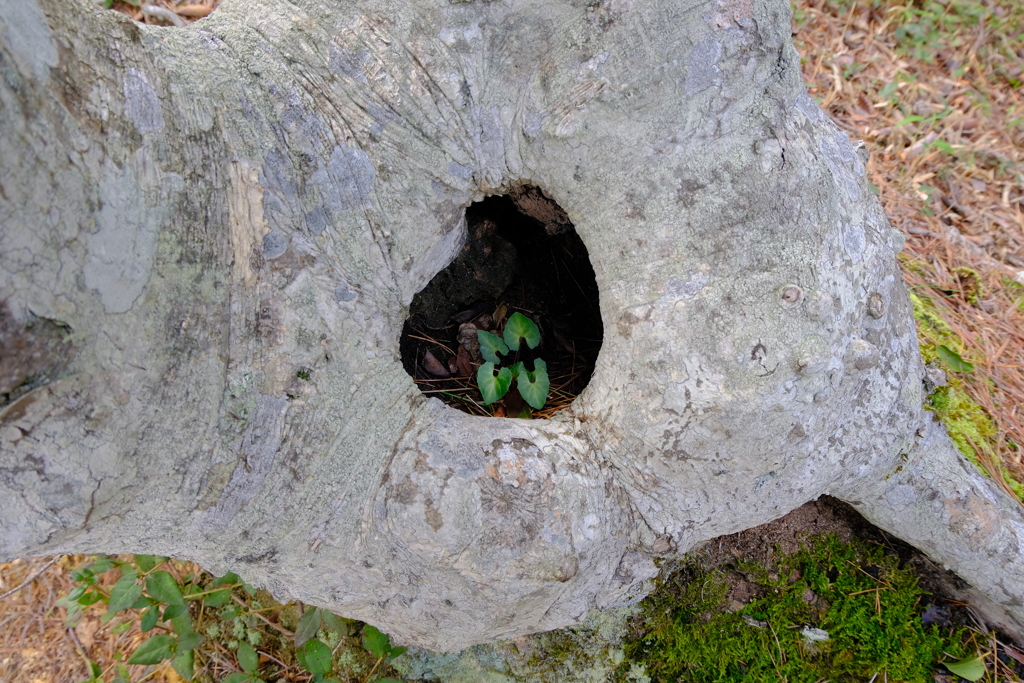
<point>379,644</point>
<point>376,642</point>
<point>308,625</point>
<point>172,611</point>
<point>184,664</point>
<point>519,327</point>
<point>103,563</point>
<point>534,386</point>
<point>189,640</point>
<point>153,651</point>
<point>124,594</point>
<point>90,598</point>
<point>221,597</point>
<point>149,618</point>
<point>146,562</point>
<point>334,623</point>
<point>490,346</point>
<point>182,623</point>
<point>493,387</point>
<point>162,586</point>
<point>315,656</point>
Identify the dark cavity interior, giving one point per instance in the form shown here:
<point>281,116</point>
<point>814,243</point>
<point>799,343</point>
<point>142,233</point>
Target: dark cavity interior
<point>522,254</point>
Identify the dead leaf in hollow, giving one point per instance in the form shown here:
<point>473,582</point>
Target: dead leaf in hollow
<point>471,313</point>
<point>499,314</point>
<point>434,366</point>
<point>513,402</point>
<point>469,340</point>
<point>464,362</point>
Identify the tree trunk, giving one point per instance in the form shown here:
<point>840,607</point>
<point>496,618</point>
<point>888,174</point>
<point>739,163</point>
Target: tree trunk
<point>191,217</point>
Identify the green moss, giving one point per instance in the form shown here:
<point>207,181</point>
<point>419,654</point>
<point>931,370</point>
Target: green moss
<point>932,329</point>
<point>912,265</point>
<point>971,428</point>
<point>857,593</point>
<point>968,424</point>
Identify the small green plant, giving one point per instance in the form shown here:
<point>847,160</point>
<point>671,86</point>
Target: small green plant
<point>192,618</point>
<point>494,381</point>
<point>162,598</point>
<point>380,646</point>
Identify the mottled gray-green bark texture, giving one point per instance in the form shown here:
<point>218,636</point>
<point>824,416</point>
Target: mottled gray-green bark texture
<point>189,217</point>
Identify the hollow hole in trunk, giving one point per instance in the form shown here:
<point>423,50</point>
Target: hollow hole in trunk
<point>522,256</point>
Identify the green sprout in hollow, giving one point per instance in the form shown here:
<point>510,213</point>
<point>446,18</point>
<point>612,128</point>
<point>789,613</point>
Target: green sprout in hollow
<point>494,381</point>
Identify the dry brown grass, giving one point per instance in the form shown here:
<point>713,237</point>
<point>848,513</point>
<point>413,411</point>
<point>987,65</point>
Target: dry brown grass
<point>960,204</point>
<point>959,201</point>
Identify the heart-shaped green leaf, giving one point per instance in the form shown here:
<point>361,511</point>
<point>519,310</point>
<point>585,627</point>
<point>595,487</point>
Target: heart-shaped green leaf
<point>493,387</point>
<point>519,326</point>
<point>490,346</point>
<point>534,385</point>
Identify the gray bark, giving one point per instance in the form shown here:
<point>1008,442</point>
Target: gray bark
<point>190,216</point>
